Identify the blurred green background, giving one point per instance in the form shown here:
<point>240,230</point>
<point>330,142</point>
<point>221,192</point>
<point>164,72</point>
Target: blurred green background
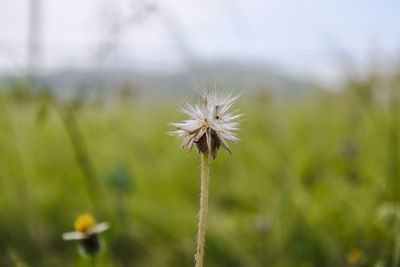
<point>87,89</point>
<point>315,181</point>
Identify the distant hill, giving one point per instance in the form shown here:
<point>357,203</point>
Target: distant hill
<point>241,76</point>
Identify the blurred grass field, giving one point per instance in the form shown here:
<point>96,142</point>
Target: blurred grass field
<point>307,186</point>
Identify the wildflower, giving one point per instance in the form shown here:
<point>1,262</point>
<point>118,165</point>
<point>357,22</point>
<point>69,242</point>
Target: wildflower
<point>86,231</point>
<point>354,256</point>
<point>209,127</point>
<point>210,124</point>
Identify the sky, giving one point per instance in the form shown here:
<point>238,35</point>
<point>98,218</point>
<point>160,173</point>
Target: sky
<point>303,37</point>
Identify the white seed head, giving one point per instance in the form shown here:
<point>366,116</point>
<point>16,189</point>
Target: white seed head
<point>210,124</point>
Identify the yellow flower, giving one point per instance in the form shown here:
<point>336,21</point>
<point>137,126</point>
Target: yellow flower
<point>84,223</point>
<point>354,256</point>
<point>85,226</point>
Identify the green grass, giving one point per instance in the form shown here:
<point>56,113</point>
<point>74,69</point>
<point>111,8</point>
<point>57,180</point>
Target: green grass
<point>302,189</point>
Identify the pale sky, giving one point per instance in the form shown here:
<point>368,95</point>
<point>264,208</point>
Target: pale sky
<point>299,36</point>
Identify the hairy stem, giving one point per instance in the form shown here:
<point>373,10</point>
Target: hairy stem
<point>203,209</point>
<point>396,247</point>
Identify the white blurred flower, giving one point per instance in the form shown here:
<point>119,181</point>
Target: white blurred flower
<point>210,124</point>
<point>85,227</point>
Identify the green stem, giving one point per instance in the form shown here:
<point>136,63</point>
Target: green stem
<point>396,248</point>
<point>82,155</point>
<point>203,209</point>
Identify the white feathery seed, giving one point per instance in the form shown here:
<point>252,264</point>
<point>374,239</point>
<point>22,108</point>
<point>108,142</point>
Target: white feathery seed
<point>210,125</point>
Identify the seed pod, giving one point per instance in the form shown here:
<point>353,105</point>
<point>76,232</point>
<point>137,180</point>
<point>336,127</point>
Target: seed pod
<point>210,124</point>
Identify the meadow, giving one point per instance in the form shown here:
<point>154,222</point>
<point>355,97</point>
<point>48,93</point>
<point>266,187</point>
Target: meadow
<point>315,181</point>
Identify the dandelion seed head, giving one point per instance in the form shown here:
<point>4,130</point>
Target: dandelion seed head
<point>210,125</point>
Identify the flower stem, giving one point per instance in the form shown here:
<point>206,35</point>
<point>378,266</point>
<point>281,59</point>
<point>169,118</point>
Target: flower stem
<point>203,208</point>
<point>396,248</point>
